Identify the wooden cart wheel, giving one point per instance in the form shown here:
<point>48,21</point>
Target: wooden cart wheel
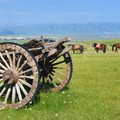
<point>19,76</point>
<point>56,72</point>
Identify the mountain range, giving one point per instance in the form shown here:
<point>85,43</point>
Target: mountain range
<point>80,29</point>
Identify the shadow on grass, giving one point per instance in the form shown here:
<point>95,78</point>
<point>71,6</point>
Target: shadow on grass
<point>36,98</point>
<point>64,89</point>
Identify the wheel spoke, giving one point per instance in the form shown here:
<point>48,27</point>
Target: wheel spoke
<point>1,75</point>
<point>24,76</point>
<point>1,84</point>
<point>25,62</point>
<point>2,71</point>
<point>54,83</point>
<point>59,73</point>
<point>26,71</point>
<point>13,94</point>
<point>3,90</point>
<point>51,79</point>
<point>22,88</point>
<point>58,62</point>
<point>58,79</point>
<point>14,58</point>
<point>18,92</point>
<point>52,73</point>
<point>7,95</point>
<point>4,60</point>
<point>52,61</point>
<point>25,83</point>
<point>9,58</point>
<point>58,67</point>
<point>1,65</point>
<point>18,63</point>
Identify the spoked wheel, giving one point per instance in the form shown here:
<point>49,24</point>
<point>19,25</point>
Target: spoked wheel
<point>56,72</point>
<point>19,76</point>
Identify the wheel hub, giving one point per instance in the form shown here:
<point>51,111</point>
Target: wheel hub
<point>48,68</point>
<point>10,76</point>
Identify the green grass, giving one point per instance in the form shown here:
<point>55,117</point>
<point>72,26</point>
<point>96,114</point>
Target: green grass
<point>92,94</point>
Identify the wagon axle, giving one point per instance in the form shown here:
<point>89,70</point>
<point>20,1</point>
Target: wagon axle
<point>47,68</point>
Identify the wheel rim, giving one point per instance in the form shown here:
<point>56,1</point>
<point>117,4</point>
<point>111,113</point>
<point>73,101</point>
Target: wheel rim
<point>57,73</point>
<point>19,76</point>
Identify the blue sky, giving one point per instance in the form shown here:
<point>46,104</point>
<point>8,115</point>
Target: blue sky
<point>24,12</point>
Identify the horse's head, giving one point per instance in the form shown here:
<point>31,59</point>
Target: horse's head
<point>94,44</point>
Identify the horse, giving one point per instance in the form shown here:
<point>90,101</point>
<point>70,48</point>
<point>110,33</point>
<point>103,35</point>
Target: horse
<point>77,47</point>
<point>101,47</point>
<point>116,46</point>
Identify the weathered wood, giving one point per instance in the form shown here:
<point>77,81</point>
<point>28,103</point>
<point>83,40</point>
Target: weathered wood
<point>19,72</point>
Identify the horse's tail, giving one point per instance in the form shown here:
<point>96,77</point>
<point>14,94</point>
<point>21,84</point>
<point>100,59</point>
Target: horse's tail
<point>104,50</point>
<point>81,49</point>
<point>113,47</point>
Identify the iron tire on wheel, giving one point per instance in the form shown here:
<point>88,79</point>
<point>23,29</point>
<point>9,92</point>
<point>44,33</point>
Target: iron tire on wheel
<point>19,76</point>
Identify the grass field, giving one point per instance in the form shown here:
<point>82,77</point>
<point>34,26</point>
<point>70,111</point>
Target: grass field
<point>92,94</point>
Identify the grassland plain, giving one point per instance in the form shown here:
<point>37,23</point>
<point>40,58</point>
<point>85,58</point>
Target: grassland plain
<point>92,94</point>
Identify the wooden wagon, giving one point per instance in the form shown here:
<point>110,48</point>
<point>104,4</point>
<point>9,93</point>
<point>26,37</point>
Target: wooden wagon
<point>33,66</point>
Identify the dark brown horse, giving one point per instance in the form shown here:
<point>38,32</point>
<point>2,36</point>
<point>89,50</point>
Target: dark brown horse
<point>77,47</point>
<point>101,47</point>
<point>115,47</point>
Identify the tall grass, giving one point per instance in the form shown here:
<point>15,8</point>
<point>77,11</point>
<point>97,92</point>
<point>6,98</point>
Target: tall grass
<point>92,94</point>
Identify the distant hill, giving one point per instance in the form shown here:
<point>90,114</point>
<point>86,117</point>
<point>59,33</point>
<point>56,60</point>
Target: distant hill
<point>88,29</point>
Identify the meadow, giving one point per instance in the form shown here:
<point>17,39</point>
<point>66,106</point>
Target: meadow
<point>92,94</point>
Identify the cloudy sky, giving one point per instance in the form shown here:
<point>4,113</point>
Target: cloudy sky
<point>24,12</point>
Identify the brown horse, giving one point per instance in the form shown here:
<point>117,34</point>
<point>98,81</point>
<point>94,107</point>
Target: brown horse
<point>116,46</point>
<point>77,47</point>
<point>101,47</point>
